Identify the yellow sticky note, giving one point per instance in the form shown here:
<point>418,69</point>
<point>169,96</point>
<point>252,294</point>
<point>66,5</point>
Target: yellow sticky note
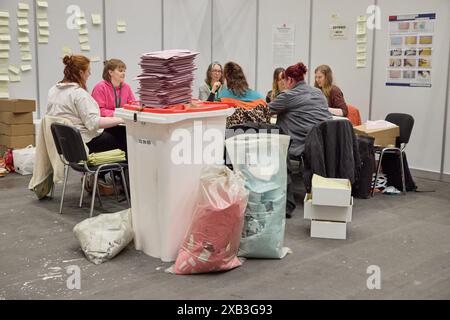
<point>23,6</point>
<point>360,63</point>
<point>4,14</point>
<point>22,22</point>
<point>361,19</point>
<point>44,32</point>
<point>83,31</point>
<point>4,77</point>
<point>14,78</point>
<point>83,39</point>
<point>24,47</point>
<point>43,39</point>
<point>4,55</point>
<point>14,69</point>
<point>25,67</point>
<point>4,30</point>
<point>43,24</point>
<point>42,4</point>
<point>5,37</point>
<point>96,19</point>
<point>85,47</point>
<point>81,21</point>
<point>361,56</point>
<point>24,39</point>
<point>95,59</point>
<point>360,48</point>
<point>26,56</point>
<point>121,23</point>
<point>42,15</point>
<point>24,30</point>
<point>4,46</point>
<point>3,69</point>
<point>4,22</point>
<point>67,49</point>
<point>121,28</point>
<point>22,14</point>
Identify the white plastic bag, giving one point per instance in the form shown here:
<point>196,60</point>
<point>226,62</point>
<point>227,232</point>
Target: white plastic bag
<point>103,237</point>
<point>23,160</point>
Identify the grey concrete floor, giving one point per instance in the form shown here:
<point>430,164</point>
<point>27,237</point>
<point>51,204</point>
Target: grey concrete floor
<point>408,237</point>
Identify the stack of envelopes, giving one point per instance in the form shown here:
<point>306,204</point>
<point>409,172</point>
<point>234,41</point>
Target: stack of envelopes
<point>166,77</point>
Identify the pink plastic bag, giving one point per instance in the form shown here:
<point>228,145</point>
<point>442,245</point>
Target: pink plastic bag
<point>212,241</point>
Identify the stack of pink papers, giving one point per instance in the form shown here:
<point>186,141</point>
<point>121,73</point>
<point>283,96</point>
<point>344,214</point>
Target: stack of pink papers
<point>166,77</point>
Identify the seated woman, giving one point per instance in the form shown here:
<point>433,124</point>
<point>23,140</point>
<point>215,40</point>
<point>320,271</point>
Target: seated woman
<point>112,92</point>
<point>334,95</point>
<point>277,84</point>
<point>70,99</point>
<point>298,109</point>
<point>214,82</point>
<point>251,106</point>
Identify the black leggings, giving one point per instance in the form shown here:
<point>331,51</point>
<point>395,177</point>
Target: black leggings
<point>111,138</point>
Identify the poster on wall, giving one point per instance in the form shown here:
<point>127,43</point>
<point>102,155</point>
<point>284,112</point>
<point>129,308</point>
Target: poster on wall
<point>410,43</point>
<point>283,45</point>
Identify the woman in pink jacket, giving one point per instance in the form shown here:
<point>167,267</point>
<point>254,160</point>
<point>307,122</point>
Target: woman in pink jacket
<point>112,92</point>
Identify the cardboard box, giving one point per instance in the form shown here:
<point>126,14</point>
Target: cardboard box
<point>17,105</point>
<point>328,230</point>
<point>330,191</point>
<point>385,134</point>
<point>16,118</point>
<point>326,213</point>
<point>16,141</point>
<point>16,129</point>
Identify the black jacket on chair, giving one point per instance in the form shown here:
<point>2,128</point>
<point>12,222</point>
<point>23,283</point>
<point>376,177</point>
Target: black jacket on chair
<point>331,151</point>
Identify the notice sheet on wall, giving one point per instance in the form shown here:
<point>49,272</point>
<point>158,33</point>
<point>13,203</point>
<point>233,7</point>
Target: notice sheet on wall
<point>283,45</point>
<point>410,43</point>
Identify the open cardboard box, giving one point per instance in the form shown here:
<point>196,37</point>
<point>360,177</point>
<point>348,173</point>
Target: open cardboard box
<point>328,213</point>
<point>384,132</point>
<point>330,191</point>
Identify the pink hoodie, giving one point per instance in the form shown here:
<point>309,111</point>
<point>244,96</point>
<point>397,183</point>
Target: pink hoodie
<point>103,93</point>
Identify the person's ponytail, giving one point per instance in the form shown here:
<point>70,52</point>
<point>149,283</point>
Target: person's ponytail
<point>74,64</point>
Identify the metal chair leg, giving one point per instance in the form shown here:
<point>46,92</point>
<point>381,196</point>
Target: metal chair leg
<point>378,172</point>
<point>82,190</point>
<point>114,185</point>
<point>94,189</point>
<point>52,193</point>
<point>403,172</point>
<point>66,174</point>
<point>124,182</point>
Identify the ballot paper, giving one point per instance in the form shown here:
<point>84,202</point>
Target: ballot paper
<point>166,77</point>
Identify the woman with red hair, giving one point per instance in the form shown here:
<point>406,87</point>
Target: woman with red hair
<point>70,99</point>
<point>298,109</point>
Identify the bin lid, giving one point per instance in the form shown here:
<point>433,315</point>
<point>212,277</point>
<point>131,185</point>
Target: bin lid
<point>174,113</point>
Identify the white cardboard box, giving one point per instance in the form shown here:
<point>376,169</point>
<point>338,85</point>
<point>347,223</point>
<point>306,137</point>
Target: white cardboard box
<point>329,213</point>
<point>330,191</point>
<point>328,230</point>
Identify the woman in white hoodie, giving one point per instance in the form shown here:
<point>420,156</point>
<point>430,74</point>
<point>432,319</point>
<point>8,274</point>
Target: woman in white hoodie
<point>70,99</point>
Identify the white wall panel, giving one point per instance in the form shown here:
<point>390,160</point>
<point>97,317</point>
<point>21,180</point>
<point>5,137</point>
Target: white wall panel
<point>187,25</point>
<point>234,34</point>
<point>426,105</point>
<point>143,34</point>
<point>340,54</point>
<point>293,12</point>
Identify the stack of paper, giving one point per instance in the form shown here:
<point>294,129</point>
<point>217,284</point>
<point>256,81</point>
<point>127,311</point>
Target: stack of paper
<point>167,77</point>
